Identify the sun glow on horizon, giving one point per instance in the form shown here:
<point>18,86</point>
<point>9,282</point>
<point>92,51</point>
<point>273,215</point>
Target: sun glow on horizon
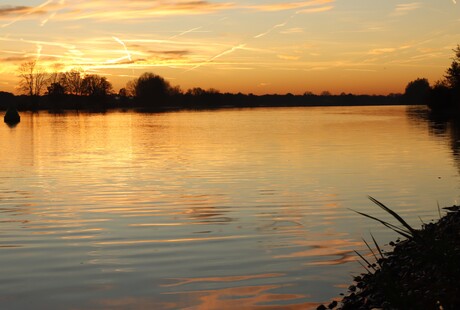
<point>260,47</point>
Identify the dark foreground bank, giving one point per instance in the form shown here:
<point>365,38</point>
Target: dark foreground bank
<point>422,272</point>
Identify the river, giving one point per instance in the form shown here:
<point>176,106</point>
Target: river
<point>216,209</point>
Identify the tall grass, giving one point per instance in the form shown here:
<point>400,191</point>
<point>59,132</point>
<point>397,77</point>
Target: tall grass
<point>405,230</point>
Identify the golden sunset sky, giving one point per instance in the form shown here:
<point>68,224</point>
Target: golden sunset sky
<point>357,46</point>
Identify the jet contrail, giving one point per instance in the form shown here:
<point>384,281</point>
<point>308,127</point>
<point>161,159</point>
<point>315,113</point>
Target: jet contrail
<point>31,11</point>
<point>128,54</point>
<point>230,50</point>
<point>185,32</point>
<point>270,30</point>
<point>39,51</point>
<point>43,23</point>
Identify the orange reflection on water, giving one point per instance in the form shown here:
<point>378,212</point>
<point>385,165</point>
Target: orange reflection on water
<point>184,281</point>
<point>167,240</point>
<point>336,247</point>
<point>243,297</point>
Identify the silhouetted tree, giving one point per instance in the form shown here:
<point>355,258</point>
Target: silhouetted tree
<point>440,97</point>
<point>55,90</point>
<point>131,88</point>
<point>123,92</point>
<point>72,81</point>
<point>6,100</point>
<point>417,91</point>
<point>56,94</point>
<point>453,73</point>
<point>196,91</point>
<point>152,90</point>
<point>96,86</point>
<point>33,78</point>
<point>445,95</point>
<point>56,74</point>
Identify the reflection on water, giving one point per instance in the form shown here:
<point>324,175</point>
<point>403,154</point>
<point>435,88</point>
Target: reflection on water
<point>208,210</point>
<point>441,126</point>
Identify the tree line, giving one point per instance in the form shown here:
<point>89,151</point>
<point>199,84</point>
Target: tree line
<point>444,95</point>
<point>76,90</point>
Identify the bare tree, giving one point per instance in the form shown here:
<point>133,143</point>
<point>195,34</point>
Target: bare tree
<point>131,88</point>
<point>73,81</point>
<point>33,78</point>
<point>96,86</point>
<point>56,74</point>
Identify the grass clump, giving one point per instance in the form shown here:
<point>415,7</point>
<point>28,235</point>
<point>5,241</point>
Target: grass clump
<point>422,271</point>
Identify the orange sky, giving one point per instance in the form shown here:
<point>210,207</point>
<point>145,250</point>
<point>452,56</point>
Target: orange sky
<point>357,46</point>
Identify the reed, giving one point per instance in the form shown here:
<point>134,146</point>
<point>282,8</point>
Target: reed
<point>406,230</point>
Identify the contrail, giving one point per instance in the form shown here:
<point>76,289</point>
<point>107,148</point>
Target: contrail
<point>43,23</point>
<point>270,30</point>
<point>128,54</point>
<point>242,45</point>
<point>31,11</point>
<point>39,51</point>
<point>185,32</point>
<point>230,50</point>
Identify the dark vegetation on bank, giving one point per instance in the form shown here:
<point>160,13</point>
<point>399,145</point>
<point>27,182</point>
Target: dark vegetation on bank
<point>443,97</point>
<point>205,100</point>
<point>150,92</point>
<point>422,272</point>
<point>76,90</point>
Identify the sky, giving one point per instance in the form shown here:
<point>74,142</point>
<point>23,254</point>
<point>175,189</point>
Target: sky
<point>260,47</point>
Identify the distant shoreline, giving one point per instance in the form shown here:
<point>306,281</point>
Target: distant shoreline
<point>192,102</point>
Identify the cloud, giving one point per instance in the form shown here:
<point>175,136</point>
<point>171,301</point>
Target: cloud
<point>292,30</point>
<point>12,10</point>
<point>288,57</point>
<point>21,12</point>
<point>137,11</point>
<point>380,51</point>
<point>288,5</point>
<point>15,59</point>
<point>317,10</point>
<point>405,8</point>
<point>133,10</point>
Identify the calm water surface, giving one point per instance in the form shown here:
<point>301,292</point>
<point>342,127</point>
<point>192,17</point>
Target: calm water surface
<point>207,210</point>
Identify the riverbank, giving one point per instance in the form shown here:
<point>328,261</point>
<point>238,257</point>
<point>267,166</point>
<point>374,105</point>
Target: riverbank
<point>420,273</point>
<point>190,102</point>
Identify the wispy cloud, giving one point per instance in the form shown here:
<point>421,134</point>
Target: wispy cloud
<point>20,12</point>
<point>139,10</point>
<point>316,10</point>
<point>288,5</point>
<point>292,30</point>
<point>288,57</point>
<point>13,10</point>
<point>405,8</point>
<point>380,51</point>
<point>119,10</point>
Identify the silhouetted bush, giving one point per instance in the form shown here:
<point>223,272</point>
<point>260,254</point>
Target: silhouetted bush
<point>152,91</point>
<point>445,95</point>
<point>417,92</point>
